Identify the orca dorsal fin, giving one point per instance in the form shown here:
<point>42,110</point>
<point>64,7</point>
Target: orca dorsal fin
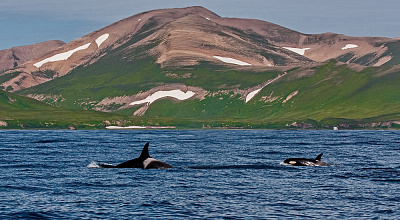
<point>319,156</point>
<point>145,152</point>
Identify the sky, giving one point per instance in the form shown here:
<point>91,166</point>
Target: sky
<point>25,22</point>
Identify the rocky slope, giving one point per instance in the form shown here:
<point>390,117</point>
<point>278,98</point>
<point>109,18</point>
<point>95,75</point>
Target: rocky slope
<point>13,57</point>
<point>185,37</point>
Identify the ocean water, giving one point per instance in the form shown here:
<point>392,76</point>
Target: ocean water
<point>223,174</point>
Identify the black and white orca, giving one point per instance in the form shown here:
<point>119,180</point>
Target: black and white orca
<point>306,162</point>
<point>144,161</point>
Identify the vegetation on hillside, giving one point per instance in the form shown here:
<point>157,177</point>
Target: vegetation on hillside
<point>319,96</point>
<point>327,96</point>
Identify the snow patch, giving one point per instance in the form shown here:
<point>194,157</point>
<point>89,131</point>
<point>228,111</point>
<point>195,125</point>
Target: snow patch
<point>300,51</point>
<point>139,127</point>
<point>252,94</point>
<point>255,92</point>
<point>101,39</point>
<point>178,94</point>
<point>61,56</point>
<point>139,19</point>
<point>128,127</point>
<point>232,61</point>
<point>349,46</point>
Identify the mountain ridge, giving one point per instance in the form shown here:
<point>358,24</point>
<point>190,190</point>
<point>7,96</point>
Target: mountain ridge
<point>192,65</point>
<point>188,35</point>
<point>15,56</point>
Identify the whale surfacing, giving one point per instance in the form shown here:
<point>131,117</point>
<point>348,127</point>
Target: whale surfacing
<point>306,162</point>
<point>144,161</point>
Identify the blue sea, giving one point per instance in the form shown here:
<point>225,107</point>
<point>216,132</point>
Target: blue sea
<point>217,174</point>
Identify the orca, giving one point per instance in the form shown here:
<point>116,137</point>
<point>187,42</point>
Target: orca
<point>144,161</point>
<point>306,162</point>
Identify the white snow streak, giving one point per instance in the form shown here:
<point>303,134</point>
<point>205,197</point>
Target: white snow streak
<point>255,92</point>
<point>139,127</point>
<point>232,61</point>
<point>178,94</point>
<point>300,51</point>
<point>349,46</point>
<point>128,127</point>
<point>101,39</point>
<point>252,94</point>
<point>61,56</point>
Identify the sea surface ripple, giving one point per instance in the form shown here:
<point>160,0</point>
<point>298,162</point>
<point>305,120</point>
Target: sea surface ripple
<point>217,174</point>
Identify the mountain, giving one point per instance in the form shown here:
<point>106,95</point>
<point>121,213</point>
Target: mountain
<point>188,36</point>
<point>189,65</point>
<point>13,57</point>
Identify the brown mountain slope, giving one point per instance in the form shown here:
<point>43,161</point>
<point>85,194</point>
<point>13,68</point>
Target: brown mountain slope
<point>13,57</point>
<point>186,36</point>
<point>194,38</point>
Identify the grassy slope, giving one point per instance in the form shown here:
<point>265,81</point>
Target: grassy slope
<point>393,51</point>
<point>25,112</point>
<point>333,92</point>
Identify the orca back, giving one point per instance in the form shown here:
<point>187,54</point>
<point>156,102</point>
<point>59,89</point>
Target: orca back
<point>144,161</point>
<point>135,163</point>
<point>300,162</point>
<point>152,163</point>
<point>306,162</point>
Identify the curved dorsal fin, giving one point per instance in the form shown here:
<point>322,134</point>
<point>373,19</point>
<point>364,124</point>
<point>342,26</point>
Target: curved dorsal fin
<point>145,152</point>
<point>319,156</point>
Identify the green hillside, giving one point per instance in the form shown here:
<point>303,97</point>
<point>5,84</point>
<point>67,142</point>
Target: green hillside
<point>18,112</point>
<point>329,94</point>
<point>334,94</point>
<point>127,71</point>
<point>319,96</point>
<point>335,91</point>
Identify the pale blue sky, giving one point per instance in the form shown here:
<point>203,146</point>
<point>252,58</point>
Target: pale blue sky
<point>26,22</point>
